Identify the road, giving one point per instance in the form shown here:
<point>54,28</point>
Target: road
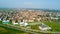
<point>27,30</point>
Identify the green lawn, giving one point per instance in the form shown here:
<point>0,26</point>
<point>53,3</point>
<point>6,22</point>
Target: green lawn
<point>54,25</point>
<point>4,30</point>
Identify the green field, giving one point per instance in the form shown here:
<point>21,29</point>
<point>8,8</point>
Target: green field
<point>4,30</point>
<point>53,24</point>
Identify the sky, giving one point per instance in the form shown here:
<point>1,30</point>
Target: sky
<point>50,4</point>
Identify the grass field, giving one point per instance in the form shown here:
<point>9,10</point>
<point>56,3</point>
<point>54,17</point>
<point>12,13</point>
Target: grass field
<point>10,31</point>
<point>54,25</point>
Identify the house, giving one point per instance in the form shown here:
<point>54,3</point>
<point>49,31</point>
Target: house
<point>39,19</point>
<point>0,19</point>
<point>54,18</point>
<point>13,22</point>
<point>5,21</point>
<point>44,27</point>
<point>30,20</point>
<point>24,23</point>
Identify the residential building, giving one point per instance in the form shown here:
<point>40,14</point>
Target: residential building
<point>44,27</point>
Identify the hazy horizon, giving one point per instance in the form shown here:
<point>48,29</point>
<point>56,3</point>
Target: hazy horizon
<point>47,4</point>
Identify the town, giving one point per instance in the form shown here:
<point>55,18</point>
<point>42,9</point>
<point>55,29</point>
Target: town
<point>41,20</point>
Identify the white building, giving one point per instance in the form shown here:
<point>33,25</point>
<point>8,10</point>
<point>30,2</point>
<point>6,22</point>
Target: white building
<point>14,23</point>
<point>5,21</point>
<point>0,19</point>
<point>24,23</point>
<point>44,27</point>
<point>54,18</point>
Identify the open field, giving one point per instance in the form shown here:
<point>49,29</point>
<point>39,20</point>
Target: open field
<point>53,24</point>
<point>10,31</point>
